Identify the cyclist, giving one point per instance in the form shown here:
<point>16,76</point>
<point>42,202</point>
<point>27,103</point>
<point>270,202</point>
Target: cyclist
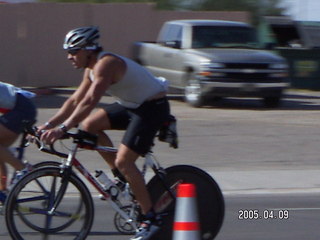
<point>16,109</point>
<point>141,108</point>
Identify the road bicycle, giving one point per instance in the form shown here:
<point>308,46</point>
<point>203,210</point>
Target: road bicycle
<point>52,201</point>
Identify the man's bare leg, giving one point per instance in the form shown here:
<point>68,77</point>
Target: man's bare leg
<point>7,138</point>
<point>96,123</point>
<point>125,162</point>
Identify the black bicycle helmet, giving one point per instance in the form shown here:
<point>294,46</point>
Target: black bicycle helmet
<point>84,37</point>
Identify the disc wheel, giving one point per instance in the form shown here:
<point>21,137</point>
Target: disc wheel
<point>210,202</point>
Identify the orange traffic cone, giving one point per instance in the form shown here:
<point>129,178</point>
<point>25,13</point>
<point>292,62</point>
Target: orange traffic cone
<point>186,225</point>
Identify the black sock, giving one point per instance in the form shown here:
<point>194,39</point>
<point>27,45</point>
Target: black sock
<point>149,215</point>
<point>118,174</point>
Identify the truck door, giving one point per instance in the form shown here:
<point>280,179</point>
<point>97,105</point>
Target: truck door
<point>169,59</point>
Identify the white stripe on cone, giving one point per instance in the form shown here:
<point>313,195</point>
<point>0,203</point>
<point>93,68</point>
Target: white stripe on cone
<point>186,223</point>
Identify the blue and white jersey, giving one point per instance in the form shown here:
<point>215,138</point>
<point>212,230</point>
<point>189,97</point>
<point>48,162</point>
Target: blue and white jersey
<point>8,95</point>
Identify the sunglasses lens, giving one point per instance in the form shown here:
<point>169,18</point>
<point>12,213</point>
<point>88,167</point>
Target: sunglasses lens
<point>73,51</point>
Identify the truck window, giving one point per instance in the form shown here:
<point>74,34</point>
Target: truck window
<point>222,36</point>
<point>171,33</point>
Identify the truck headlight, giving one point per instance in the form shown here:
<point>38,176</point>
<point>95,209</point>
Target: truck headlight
<point>281,70</point>
<point>209,69</point>
<point>280,75</point>
<point>211,65</point>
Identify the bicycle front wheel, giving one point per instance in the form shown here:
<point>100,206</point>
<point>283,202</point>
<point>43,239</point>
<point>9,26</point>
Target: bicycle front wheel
<point>46,164</point>
<point>29,207</point>
<point>210,203</point>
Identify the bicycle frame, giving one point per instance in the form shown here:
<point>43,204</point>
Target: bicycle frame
<point>150,162</point>
<point>72,161</point>
<point>49,185</point>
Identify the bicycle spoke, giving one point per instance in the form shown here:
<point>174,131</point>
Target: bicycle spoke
<point>31,210</point>
<point>32,199</point>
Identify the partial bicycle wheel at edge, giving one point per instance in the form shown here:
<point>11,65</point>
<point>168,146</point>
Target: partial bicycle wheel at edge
<point>28,204</point>
<point>210,202</point>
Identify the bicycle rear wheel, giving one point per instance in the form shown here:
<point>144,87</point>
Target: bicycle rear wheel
<point>29,213</point>
<point>210,202</point>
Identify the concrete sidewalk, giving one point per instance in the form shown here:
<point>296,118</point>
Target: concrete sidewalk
<point>269,182</point>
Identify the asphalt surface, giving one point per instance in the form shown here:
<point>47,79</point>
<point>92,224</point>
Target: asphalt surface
<point>261,158</point>
<point>247,148</point>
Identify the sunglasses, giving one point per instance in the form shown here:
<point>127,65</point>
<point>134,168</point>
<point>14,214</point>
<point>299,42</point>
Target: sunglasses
<point>73,51</point>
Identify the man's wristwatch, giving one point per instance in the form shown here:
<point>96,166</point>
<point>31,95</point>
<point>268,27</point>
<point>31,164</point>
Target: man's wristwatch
<point>63,128</point>
<point>48,125</point>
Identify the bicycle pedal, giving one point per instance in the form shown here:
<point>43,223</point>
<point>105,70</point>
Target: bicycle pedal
<point>164,214</point>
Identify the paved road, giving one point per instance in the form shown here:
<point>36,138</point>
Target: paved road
<point>245,146</point>
<point>251,151</point>
<point>302,221</point>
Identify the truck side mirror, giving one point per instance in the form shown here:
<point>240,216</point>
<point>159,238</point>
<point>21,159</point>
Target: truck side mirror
<point>173,44</point>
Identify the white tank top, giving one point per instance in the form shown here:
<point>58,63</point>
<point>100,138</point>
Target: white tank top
<point>136,86</point>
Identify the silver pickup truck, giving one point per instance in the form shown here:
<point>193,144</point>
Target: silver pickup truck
<point>212,59</point>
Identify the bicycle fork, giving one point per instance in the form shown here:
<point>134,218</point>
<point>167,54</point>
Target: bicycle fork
<point>66,172</point>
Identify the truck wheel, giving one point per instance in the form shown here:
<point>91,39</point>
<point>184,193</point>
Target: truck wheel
<point>272,101</point>
<point>193,94</point>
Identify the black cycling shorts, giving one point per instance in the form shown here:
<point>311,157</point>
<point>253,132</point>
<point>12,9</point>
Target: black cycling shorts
<point>141,124</point>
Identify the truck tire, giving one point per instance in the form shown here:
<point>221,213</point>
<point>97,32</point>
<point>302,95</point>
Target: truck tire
<point>272,102</point>
<point>193,94</point>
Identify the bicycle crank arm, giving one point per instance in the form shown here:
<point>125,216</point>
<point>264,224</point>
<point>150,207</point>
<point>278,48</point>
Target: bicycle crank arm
<point>123,214</point>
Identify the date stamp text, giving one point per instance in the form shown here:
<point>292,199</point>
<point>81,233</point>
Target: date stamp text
<point>267,214</point>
